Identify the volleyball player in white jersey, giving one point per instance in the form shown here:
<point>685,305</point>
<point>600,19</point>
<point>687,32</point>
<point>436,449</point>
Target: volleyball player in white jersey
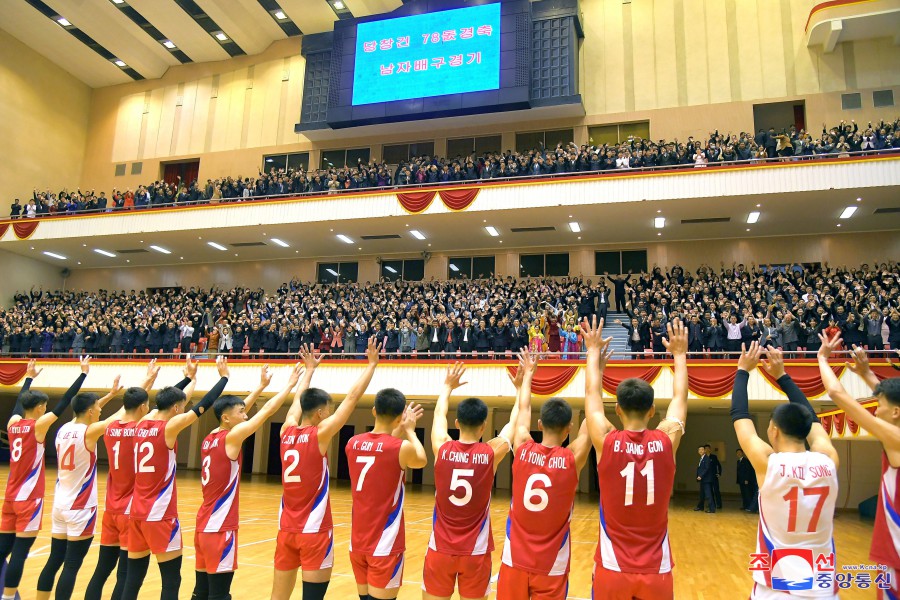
<point>75,498</point>
<point>797,488</point>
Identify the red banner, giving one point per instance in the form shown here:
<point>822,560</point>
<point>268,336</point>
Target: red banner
<point>24,228</point>
<point>3,228</point>
<point>853,425</point>
<point>548,380</point>
<point>415,202</point>
<point>840,420</point>
<point>613,377</point>
<point>459,199</point>
<point>827,423</point>
<point>12,373</point>
<point>714,382</point>
<point>807,378</point>
<point>883,373</point>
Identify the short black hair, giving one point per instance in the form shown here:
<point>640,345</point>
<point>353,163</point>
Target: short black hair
<point>31,399</point>
<point>634,396</point>
<point>793,420</point>
<point>707,446</point>
<point>890,389</point>
<point>390,402</point>
<point>82,402</point>
<point>134,397</point>
<point>472,412</point>
<point>224,403</point>
<point>556,414</point>
<point>168,397</point>
<point>314,398</point>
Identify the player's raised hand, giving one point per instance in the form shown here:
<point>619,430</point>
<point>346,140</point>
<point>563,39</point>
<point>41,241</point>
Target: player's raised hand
<point>828,346</point>
<point>455,372</point>
<point>774,363</point>
<point>519,377</point>
<point>152,370</point>
<point>295,375</point>
<point>190,368</point>
<point>677,342</point>
<point>85,362</point>
<point>749,359</point>
<point>310,357</point>
<point>222,366</point>
<point>32,371</point>
<point>265,376</point>
<point>593,334</point>
<point>116,386</point>
<point>373,350</point>
<point>860,364</point>
<point>528,362</point>
<point>411,415</point>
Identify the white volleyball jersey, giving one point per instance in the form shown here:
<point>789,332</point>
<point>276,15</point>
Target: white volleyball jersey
<point>76,480</point>
<point>796,524</point>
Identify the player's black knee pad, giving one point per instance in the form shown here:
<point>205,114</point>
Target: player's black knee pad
<point>21,548</point>
<point>48,574</point>
<point>314,591</point>
<point>170,573</point>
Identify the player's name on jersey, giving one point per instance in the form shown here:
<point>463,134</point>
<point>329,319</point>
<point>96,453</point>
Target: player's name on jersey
<point>635,449</point>
<point>465,457</point>
<point>69,435</point>
<point>289,440</point>
<point>126,432</point>
<point>20,429</point>
<point>538,459</point>
<point>368,446</point>
<point>802,472</point>
<point>145,433</point>
<point>208,444</point>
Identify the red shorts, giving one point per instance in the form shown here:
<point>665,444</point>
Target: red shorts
<point>23,516</point>
<point>312,551</point>
<point>216,552</point>
<point>114,530</point>
<point>156,536</point>
<point>382,572</point>
<point>443,572</point>
<point>515,584</point>
<point>613,585</point>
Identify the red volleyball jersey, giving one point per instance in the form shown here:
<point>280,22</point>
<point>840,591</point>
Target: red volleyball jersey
<point>463,479</point>
<point>305,504</point>
<point>155,495</point>
<point>119,442</point>
<point>378,487</point>
<point>220,479</point>
<point>636,473</point>
<point>886,535</point>
<point>26,464</point>
<point>543,496</point>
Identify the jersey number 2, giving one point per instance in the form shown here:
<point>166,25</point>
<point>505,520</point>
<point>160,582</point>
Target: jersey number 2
<point>143,467</point>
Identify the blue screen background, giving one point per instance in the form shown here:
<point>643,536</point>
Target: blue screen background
<point>370,85</point>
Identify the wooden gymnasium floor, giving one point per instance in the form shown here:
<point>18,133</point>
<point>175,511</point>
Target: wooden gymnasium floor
<point>710,551</point>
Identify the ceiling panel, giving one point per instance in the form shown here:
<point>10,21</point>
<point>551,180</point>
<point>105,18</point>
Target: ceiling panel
<point>311,16</point>
<point>246,22</point>
<point>364,8</point>
<point>181,29</point>
<point>49,39</point>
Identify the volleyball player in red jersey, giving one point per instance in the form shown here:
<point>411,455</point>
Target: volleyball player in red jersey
<point>305,530</point>
<point>635,471</point>
<point>378,461</point>
<point>23,505</point>
<point>216,535</point>
<point>459,552</point>
<point>537,549</point>
<point>884,425</point>
<point>154,527</point>
<point>119,442</point>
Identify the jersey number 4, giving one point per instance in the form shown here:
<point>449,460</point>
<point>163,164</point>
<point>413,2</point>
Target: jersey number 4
<point>67,461</point>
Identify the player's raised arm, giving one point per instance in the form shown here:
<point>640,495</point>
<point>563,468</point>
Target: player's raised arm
<point>311,361</point>
<point>43,424</point>
<point>116,388</point>
<point>329,427</point>
<point>439,435</point>
<point>152,373</point>
<point>265,378</point>
<point>31,372</point>
<point>598,426</point>
<point>503,443</point>
<point>96,430</point>
<point>179,423</point>
<point>412,452</point>
<point>860,366</point>
<point>753,446</point>
<point>676,414</point>
<point>885,432</point>
<point>522,432</point>
<point>187,384</point>
<point>581,447</point>
<point>242,431</point>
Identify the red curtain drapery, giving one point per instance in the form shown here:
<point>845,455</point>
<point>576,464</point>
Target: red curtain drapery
<point>827,423</point>
<point>613,377</point>
<point>714,382</point>
<point>459,199</point>
<point>24,228</point>
<point>853,426</point>
<point>840,419</point>
<point>807,378</point>
<point>548,380</point>
<point>415,202</point>
<point>3,228</point>
<point>883,373</point>
<point>12,373</point>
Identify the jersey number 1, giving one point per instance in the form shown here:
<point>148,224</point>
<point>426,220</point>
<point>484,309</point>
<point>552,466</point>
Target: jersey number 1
<point>628,474</point>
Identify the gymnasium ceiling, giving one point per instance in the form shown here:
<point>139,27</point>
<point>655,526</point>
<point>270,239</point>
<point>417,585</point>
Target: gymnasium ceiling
<point>87,37</point>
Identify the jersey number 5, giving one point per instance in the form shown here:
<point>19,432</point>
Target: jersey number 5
<point>457,481</point>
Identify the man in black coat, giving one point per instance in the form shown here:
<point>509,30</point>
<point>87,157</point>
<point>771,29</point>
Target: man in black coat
<point>746,479</point>
<point>706,474</point>
<point>717,469</point>
<point>619,283</point>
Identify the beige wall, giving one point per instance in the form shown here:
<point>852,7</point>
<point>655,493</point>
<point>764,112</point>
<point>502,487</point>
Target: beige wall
<point>19,273</point>
<point>43,123</point>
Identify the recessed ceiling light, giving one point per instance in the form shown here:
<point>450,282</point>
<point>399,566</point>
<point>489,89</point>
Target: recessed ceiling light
<point>279,14</point>
<point>758,205</point>
<point>579,237</point>
<point>281,243</point>
<point>181,257</point>
<point>753,217</point>
<point>429,245</point>
<point>118,1</point>
<point>169,44</point>
<point>748,229</point>
<point>344,238</point>
<point>55,255</point>
<point>658,211</point>
<point>221,36</point>
<point>84,245</point>
<point>339,5</point>
<point>492,230</point>
<point>416,234</point>
<point>79,262</point>
<point>391,269</point>
<point>63,21</point>
<point>235,253</point>
<point>127,260</point>
<point>848,212</point>
<point>839,224</point>
<point>659,234</point>
<point>160,249</point>
<point>217,246</point>
<point>659,222</point>
<point>575,227</point>
<point>859,199</point>
<point>453,267</point>
<point>501,241</point>
<point>119,63</point>
<point>332,271</point>
<point>104,252</point>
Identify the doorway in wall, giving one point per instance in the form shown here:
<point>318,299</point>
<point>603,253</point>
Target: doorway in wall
<point>779,115</point>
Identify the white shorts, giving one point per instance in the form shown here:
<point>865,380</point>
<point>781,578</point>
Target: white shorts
<point>761,592</point>
<point>74,523</point>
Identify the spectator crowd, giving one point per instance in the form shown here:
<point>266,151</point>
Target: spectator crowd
<point>784,306</point>
<point>789,144</point>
